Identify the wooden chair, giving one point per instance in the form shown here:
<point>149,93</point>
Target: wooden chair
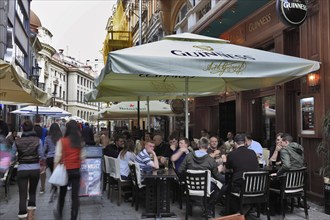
<point>198,190</point>
<point>254,190</point>
<point>114,173</point>
<point>292,185</point>
<point>231,217</point>
<point>138,187</point>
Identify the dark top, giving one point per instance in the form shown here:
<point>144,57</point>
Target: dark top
<point>241,160</point>
<point>27,148</point>
<point>163,150</point>
<point>41,132</point>
<point>87,134</point>
<point>193,162</point>
<point>111,150</point>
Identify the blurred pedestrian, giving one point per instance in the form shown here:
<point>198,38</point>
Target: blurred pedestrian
<point>70,152</point>
<point>49,148</point>
<point>30,151</point>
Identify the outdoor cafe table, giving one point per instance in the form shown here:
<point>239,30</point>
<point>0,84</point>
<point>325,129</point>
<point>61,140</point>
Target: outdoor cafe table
<point>158,193</point>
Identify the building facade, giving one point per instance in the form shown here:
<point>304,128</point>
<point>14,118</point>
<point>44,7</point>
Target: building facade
<point>296,107</point>
<point>65,78</point>
<point>24,42</point>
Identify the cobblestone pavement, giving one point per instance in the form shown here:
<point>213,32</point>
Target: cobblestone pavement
<point>101,208</point>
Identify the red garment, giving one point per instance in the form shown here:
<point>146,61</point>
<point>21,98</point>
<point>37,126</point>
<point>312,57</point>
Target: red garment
<point>70,155</point>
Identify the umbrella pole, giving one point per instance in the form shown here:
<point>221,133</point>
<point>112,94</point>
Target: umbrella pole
<point>186,108</point>
<point>148,115</point>
<point>138,113</point>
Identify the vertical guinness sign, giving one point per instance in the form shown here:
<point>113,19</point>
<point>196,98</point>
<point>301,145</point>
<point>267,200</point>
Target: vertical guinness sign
<point>292,12</point>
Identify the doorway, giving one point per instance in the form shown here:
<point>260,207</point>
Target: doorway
<point>227,118</point>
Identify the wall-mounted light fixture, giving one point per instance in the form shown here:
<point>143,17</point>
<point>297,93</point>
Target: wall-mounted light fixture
<point>313,80</point>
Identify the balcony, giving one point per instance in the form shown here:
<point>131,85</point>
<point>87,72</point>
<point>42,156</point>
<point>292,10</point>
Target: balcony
<point>118,40</point>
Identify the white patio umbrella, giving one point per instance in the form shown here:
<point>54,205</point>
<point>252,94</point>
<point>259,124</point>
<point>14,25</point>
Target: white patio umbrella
<point>129,110</point>
<point>194,65</point>
<point>46,111</point>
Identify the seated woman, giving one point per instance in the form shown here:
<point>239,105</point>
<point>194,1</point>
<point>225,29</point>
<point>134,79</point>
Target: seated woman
<point>125,156</point>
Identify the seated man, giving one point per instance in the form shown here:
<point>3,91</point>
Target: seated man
<point>256,147</point>
<point>112,150</point>
<point>144,160</point>
<point>180,152</point>
<point>292,154</point>
<point>239,161</point>
<point>162,149</point>
<point>201,160</point>
<point>292,157</point>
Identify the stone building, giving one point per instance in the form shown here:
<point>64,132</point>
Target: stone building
<point>256,24</point>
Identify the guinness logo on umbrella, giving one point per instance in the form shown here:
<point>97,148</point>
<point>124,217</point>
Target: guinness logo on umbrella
<point>292,12</point>
<point>207,48</point>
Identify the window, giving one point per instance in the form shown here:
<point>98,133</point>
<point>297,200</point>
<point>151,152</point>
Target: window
<point>63,95</point>
<point>77,79</point>
<point>77,95</point>
<point>19,12</point>
<point>182,13</point>
<point>19,55</point>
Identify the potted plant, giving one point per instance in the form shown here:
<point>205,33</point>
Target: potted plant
<point>323,151</point>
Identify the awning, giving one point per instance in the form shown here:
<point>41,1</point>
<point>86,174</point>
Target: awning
<point>15,88</point>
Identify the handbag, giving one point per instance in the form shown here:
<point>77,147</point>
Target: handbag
<point>59,176</point>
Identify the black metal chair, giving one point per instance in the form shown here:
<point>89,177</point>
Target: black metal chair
<point>198,190</point>
<point>179,187</point>
<point>254,190</point>
<point>292,185</point>
<point>6,179</point>
<point>138,187</point>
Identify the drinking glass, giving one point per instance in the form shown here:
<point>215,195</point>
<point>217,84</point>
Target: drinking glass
<point>166,163</point>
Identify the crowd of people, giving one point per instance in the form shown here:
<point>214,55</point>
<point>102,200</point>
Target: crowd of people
<point>39,148</point>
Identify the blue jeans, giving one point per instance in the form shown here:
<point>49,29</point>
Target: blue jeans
<point>25,178</point>
<point>74,178</point>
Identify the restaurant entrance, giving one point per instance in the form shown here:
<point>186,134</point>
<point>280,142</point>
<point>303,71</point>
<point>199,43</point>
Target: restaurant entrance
<point>227,118</point>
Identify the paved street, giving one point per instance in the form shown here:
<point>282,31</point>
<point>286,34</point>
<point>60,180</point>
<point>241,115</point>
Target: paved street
<point>101,208</point>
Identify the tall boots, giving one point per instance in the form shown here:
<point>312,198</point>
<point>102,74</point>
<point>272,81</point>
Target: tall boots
<point>31,213</point>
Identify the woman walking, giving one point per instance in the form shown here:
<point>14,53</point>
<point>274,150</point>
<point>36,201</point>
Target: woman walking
<point>30,151</point>
<point>69,151</point>
<point>51,139</point>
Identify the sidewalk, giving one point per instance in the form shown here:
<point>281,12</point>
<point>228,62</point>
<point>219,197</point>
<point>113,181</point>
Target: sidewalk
<point>100,208</point>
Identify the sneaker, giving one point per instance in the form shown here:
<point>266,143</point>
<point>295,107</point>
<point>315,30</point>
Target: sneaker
<point>42,191</point>
<point>69,188</point>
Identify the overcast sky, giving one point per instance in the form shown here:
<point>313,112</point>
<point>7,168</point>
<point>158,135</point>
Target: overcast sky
<point>78,26</point>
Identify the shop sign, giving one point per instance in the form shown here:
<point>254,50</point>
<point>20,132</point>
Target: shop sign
<point>292,12</point>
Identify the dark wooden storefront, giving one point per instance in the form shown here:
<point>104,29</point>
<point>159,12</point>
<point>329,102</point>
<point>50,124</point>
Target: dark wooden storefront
<point>263,30</point>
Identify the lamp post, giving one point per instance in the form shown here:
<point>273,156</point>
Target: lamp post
<point>55,92</point>
<point>35,74</point>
